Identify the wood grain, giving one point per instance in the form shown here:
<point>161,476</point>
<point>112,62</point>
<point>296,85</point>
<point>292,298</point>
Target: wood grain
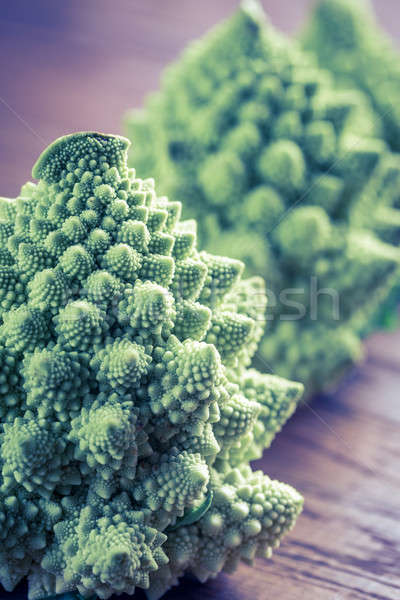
<point>80,65</point>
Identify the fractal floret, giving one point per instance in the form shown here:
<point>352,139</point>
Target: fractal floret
<point>277,165</point>
<point>128,412</point>
<point>345,38</point>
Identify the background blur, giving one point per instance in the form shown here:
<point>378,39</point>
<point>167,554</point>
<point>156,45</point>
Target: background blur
<point>79,65</point>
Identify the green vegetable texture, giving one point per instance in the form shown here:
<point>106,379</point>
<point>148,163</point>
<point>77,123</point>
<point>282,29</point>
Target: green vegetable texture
<point>287,173</point>
<point>290,174</point>
<point>345,38</point>
<point>129,413</point>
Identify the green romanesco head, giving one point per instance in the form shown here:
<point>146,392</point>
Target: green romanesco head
<point>346,39</point>
<point>128,412</point>
<point>287,172</point>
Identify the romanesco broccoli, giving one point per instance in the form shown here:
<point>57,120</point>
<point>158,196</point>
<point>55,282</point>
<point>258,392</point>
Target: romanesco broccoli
<point>277,165</point>
<point>346,40</point>
<point>128,411</point>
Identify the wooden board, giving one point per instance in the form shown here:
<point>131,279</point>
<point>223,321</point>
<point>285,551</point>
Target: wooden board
<point>80,65</point>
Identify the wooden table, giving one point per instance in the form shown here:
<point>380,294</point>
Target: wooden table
<point>80,65</point>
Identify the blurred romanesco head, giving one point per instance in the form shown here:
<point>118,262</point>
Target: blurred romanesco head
<point>345,38</point>
<point>128,412</point>
<point>290,174</point>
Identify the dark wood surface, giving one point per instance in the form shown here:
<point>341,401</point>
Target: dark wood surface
<point>79,65</point>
